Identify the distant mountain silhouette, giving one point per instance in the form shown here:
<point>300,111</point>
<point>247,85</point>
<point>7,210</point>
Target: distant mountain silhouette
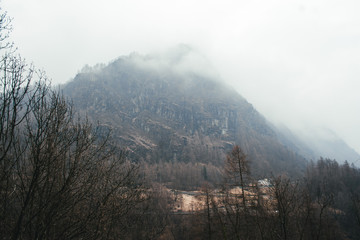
<point>314,143</point>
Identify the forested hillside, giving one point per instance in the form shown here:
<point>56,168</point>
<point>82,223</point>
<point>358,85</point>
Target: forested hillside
<point>178,119</point>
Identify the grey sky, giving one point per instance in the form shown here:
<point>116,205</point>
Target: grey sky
<point>297,62</point>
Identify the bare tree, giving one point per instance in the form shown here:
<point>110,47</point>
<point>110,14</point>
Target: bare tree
<point>238,171</point>
<point>5,29</point>
<point>237,175</point>
<point>60,177</point>
<point>16,93</point>
<point>68,182</point>
<point>285,195</point>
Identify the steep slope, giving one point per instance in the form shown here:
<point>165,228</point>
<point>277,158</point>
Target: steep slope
<point>164,109</point>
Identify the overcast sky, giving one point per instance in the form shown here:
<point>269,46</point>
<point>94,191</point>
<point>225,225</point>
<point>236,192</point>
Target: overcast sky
<point>297,62</point>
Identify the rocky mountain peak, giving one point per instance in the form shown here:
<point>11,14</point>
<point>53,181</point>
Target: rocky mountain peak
<point>172,107</point>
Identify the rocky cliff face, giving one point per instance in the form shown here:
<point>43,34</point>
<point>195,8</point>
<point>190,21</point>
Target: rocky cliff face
<point>162,111</point>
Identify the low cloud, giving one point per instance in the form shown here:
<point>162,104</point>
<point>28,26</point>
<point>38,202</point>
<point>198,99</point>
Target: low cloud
<point>181,59</point>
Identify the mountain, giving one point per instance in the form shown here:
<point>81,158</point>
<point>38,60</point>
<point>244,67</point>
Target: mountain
<point>317,142</point>
<point>173,108</point>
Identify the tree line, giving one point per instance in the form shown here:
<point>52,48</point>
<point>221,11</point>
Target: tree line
<point>323,204</point>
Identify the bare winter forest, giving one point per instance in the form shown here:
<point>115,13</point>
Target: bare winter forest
<point>64,177</point>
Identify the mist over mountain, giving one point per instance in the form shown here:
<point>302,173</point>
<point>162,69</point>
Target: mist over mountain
<point>173,108</point>
<point>325,143</point>
<point>314,143</point>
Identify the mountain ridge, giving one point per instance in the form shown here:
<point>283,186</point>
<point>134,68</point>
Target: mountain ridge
<point>170,111</point>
